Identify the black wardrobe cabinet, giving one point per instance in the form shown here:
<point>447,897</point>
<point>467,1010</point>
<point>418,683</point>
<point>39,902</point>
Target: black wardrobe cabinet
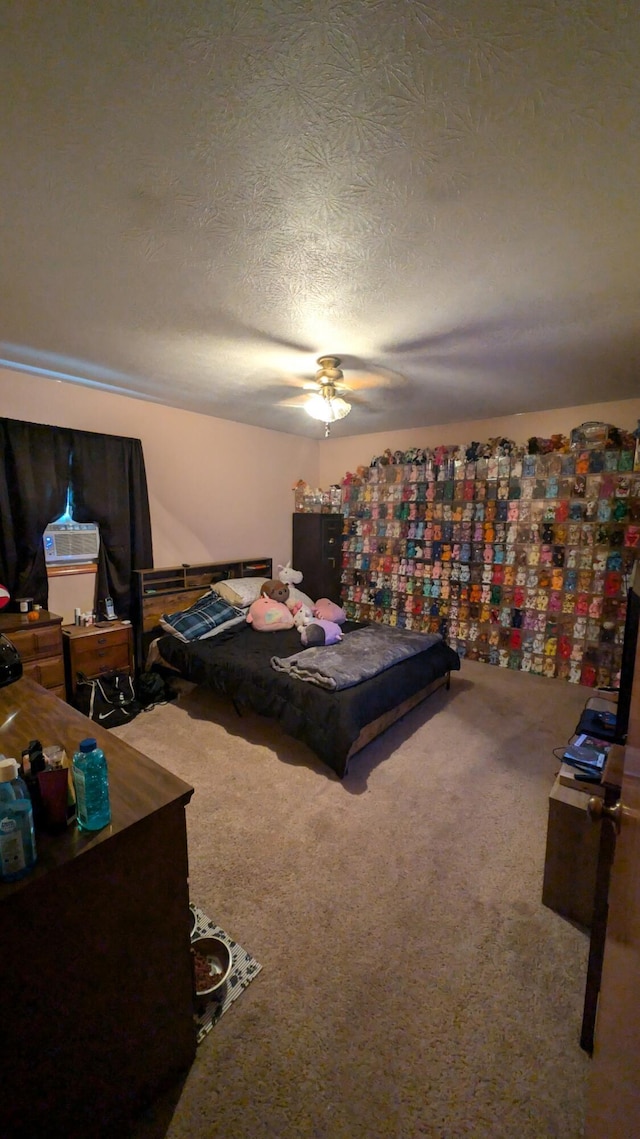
<point>317,553</point>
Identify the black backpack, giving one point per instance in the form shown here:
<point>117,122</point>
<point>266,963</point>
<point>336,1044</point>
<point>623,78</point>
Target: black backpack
<point>152,689</point>
<point>110,700</point>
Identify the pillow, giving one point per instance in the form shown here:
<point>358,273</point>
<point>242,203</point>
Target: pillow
<point>207,617</point>
<point>269,616</point>
<point>296,594</point>
<point>239,591</point>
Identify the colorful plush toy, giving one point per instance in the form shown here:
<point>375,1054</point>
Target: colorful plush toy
<point>276,590</point>
<point>327,610</point>
<point>269,616</point>
<point>320,633</point>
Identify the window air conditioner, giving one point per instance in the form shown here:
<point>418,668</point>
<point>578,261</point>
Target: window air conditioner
<point>71,542</point>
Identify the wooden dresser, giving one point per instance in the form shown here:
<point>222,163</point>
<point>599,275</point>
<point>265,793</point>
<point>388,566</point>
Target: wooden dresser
<point>95,650</point>
<point>96,979</point>
<point>39,643</point>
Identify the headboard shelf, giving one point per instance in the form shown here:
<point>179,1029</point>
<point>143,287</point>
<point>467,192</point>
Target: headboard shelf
<point>169,588</point>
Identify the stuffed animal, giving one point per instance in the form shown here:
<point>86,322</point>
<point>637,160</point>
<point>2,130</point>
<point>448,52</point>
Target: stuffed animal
<point>320,633</point>
<point>288,575</point>
<point>269,616</point>
<point>276,590</point>
<point>293,577</point>
<point>327,610</point>
<point>302,614</point>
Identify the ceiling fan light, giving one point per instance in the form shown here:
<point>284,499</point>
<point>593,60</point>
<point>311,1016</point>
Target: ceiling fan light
<point>327,409</point>
<point>339,408</point>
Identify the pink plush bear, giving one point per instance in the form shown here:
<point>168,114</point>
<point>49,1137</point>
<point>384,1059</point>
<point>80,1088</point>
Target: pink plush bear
<point>327,610</point>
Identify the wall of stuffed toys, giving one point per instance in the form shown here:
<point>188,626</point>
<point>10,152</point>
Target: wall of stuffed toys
<point>521,556</point>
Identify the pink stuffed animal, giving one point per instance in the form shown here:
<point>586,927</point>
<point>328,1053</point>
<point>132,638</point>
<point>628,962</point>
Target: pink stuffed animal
<point>268,616</point>
<point>327,610</point>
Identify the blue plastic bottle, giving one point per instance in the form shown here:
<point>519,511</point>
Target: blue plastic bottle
<point>17,838</point>
<point>91,781</point>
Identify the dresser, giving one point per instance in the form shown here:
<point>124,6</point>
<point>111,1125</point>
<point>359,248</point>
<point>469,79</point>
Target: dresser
<point>95,650</point>
<point>97,981</point>
<point>39,642</point>
<point>317,553</point>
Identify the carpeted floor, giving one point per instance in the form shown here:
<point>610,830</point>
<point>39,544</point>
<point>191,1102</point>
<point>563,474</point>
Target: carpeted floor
<point>412,984</point>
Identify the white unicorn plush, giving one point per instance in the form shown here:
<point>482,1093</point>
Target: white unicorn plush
<point>288,575</point>
<point>292,578</point>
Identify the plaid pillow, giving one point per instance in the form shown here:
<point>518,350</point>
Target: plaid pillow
<point>206,617</point>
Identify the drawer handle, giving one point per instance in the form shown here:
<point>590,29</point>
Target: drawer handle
<point>102,640</point>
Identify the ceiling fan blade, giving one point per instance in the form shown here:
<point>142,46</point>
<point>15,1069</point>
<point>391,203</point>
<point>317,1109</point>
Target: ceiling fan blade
<point>368,381</point>
<point>362,375</point>
<point>293,401</point>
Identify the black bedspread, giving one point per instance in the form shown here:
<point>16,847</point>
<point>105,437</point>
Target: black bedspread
<point>328,722</point>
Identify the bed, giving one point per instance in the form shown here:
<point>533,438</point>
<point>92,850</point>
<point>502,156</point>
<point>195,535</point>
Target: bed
<point>335,725</point>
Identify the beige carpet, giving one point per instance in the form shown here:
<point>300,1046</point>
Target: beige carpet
<point>413,984</point>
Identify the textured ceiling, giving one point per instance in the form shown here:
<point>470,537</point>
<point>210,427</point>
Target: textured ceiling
<point>200,198</point>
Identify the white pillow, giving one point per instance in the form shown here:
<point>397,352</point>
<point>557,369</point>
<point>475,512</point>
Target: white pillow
<point>296,594</point>
<point>240,591</point>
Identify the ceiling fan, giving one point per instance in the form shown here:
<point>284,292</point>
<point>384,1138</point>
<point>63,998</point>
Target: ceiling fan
<point>326,401</point>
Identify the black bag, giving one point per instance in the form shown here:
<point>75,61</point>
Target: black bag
<point>152,689</point>
<point>110,700</point>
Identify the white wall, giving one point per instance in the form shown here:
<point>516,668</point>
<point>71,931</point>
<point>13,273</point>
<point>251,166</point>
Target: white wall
<point>221,490</point>
<point>217,490</point>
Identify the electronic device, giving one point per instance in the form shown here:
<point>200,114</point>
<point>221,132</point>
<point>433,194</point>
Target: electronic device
<point>67,542</point>
<point>109,611</point>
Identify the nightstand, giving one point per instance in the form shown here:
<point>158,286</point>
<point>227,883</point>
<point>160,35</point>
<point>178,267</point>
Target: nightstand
<point>39,643</point>
<point>96,649</point>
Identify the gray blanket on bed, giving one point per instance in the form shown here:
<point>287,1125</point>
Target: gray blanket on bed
<point>362,654</point>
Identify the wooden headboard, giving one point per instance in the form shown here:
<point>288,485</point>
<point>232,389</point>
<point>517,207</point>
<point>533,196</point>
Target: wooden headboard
<point>172,588</point>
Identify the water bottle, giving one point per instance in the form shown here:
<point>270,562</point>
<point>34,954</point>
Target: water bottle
<point>17,838</point>
<point>91,782</point>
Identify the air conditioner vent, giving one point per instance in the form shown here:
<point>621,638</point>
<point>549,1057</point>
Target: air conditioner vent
<point>71,542</point>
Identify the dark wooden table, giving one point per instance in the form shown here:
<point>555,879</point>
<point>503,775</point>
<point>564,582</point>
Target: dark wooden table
<point>95,972</point>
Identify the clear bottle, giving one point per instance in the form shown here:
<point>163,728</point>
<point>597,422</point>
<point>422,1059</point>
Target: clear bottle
<point>17,838</point>
<point>91,782</point>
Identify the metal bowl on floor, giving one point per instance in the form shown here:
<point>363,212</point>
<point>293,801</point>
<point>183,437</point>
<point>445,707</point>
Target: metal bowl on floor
<point>212,962</point>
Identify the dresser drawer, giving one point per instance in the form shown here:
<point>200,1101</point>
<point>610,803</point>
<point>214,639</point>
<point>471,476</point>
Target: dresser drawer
<point>48,673</point>
<point>112,640</point>
<point>94,652</point>
<point>34,643</point>
<point>100,660</point>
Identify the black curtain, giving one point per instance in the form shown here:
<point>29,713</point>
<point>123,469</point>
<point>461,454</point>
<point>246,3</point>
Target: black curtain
<point>34,477</point>
<point>108,484</point>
